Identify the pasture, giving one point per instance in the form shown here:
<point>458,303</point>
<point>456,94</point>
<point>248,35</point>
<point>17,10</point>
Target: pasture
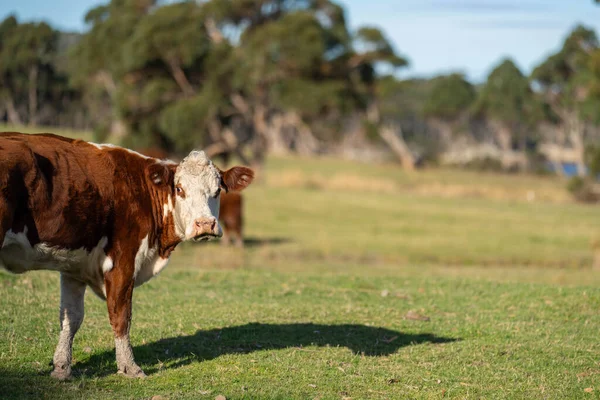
<point>357,282</point>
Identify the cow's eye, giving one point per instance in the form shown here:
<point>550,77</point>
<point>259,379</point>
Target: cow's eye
<point>218,192</point>
<point>179,190</point>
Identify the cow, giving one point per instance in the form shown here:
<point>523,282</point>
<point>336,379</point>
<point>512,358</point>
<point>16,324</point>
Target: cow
<point>230,209</point>
<point>231,218</point>
<point>105,217</point>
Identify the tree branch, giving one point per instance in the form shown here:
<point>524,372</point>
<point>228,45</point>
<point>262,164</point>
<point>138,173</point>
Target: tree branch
<point>180,78</point>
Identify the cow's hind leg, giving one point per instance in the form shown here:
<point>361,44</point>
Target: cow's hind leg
<point>238,238</point>
<point>71,315</point>
<point>6,217</point>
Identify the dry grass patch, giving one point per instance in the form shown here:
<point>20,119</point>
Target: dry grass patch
<point>390,179</point>
<point>342,181</point>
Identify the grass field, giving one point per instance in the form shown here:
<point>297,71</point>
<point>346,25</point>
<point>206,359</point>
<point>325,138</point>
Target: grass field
<point>357,282</point>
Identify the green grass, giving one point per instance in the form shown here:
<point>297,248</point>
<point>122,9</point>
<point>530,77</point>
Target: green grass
<point>319,304</point>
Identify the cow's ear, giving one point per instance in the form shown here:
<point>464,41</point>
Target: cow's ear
<point>236,178</point>
<point>160,174</point>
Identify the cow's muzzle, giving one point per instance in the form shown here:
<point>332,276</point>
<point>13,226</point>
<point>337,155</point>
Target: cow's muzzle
<point>206,229</point>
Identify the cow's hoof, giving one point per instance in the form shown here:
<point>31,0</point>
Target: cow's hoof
<point>62,374</point>
<point>132,372</point>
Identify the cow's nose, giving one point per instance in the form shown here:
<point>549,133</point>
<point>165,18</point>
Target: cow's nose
<point>206,225</point>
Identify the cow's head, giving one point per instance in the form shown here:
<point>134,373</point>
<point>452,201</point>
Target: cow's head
<point>197,185</point>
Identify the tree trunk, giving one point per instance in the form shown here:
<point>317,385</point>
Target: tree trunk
<point>33,78</point>
<point>304,142</point>
<point>118,128</point>
<point>279,143</point>
<point>576,130</point>
<point>503,136</point>
<point>180,78</point>
<point>104,78</point>
<point>13,115</point>
<point>392,135</point>
<point>444,129</point>
<point>373,114</point>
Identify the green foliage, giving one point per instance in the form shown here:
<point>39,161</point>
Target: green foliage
<point>27,45</point>
<point>586,189</point>
<point>184,122</point>
<point>507,96</point>
<point>31,78</point>
<point>140,58</point>
<point>290,46</point>
<point>371,131</point>
<point>566,77</point>
<point>102,49</point>
<point>569,62</point>
<point>374,47</point>
<point>592,159</point>
<point>278,55</point>
<point>310,98</point>
<point>449,98</point>
<point>173,33</point>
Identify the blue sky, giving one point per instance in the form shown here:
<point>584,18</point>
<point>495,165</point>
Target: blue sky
<point>437,36</point>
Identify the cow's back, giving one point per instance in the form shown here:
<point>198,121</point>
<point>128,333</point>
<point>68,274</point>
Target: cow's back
<point>59,190</point>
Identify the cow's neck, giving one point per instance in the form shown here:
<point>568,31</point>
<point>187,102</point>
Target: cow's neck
<point>168,239</point>
<point>164,234</point>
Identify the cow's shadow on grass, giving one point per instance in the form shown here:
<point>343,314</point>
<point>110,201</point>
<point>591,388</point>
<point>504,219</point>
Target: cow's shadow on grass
<point>260,242</point>
<point>206,345</point>
<point>19,384</point>
<point>251,241</point>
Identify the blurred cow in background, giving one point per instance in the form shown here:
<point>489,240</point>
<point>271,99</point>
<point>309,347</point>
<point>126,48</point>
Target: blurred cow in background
<point>231,218</point>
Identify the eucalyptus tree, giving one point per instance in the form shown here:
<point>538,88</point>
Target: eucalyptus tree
<point>509,104</point>
<point>567,81</point>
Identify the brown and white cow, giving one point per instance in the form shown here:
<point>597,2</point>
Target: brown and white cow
<point>104,217</point>
<point>231,218</point>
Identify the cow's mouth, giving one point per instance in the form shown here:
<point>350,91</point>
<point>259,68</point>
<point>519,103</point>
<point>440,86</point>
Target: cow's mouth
<point>204,237</point>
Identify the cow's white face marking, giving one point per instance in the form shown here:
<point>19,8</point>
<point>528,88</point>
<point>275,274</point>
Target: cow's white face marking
<point>197,188</point>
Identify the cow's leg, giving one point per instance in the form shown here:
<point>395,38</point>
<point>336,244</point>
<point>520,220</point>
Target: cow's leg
<point>119,294</point>
<point>239,240</point>
<point>6,215</point>
<point>71,315</point>
<point>225,238</point>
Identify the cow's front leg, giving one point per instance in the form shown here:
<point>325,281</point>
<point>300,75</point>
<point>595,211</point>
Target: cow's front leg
<point>119,291</point>
<point>71,315</point>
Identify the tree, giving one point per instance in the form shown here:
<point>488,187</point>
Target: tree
<point>7,92</point>
<point>509,104</point>
<point>235,76</point>
<point>98,60</point>
<point>448,102</point>
<point>371,49</point>
<point>566,81</point>
<point>26,56</point>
